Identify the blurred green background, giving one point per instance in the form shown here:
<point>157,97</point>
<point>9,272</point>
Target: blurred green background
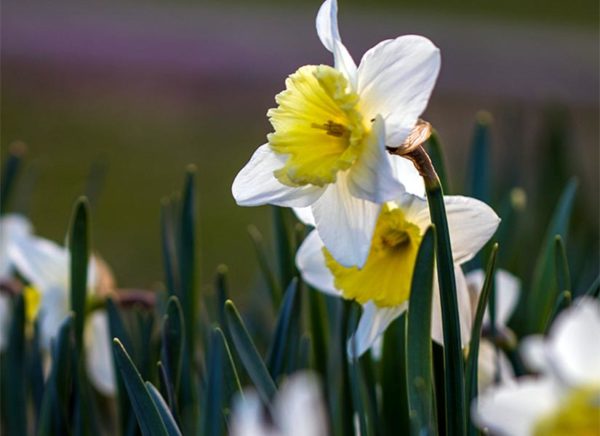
<point>148,88</point>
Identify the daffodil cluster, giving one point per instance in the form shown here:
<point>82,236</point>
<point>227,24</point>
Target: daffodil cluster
<point>328,158</point>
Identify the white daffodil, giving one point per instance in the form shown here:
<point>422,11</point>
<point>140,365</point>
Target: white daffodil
<point>565,399</point>
<point>46,265</point>
<point>331,129</point>
<point>12,228</point>
<point>298,410</point>
<point>493,362</point>
<point>382,286</point>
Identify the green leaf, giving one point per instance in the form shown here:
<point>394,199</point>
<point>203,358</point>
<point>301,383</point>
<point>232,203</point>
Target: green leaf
<point>246,350</point>
<point>479,185</point>
<point>419,366</point>
<point>187,258</point>
<point>563,300</point>
<point>543,294</point>
<point>319,332</point>
<point>56,404</point>
<point>283,245</point>
<point>79,249</point>
<point>163,409</point>
<point>173,339</point>
<point>561,265</point>
<point>213,422</point>
<point>594,288</point>
<point>146,412</point>
<point>286,336</point>
<point>457,409</point>
<point>261,255</point>
<point>10,171</point>
<point>473,358</point>
<point>169,247</point>
<point>222,294</point>
<point>436,152</point>
<point>394,397</point>
<point>16,407</point>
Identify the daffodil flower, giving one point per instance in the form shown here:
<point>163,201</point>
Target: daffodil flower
<point>493,362</point>
<point>298,410</point>
<point>565,399</point>
<point>331,129</point>
<point>382,286</point>
<point>46,266</point>
<point>12,228</point>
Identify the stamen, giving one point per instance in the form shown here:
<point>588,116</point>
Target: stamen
<point>332,128</point>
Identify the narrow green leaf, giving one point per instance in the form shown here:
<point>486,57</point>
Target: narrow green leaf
<point>56,404</point>
<point>473,358</point>
<point>169,247</point>
<point>146,412</point>
<point>36,371</point>
<point>394,399</point>
<point>357,384</point>
<point>543,294</point>
<point>246,350</point>
<point>222,294</point>
<point>286,330</point>
<point>283,244</point>
<point>436,152</point>
<point>563,300</point>
<point>234,378</point>
<point>319,332</point>
<point>561,265</point>
<point>419,366</point>
<point>173,338</point>
<point>594,288</point>
<point>79,249</point>
<point>16,415</point>
<point>10,171</point>
<point>187,258</point>
<point>163,409</point>
<point>478,185</point>
<point>457,409</point>
<point>261,255</point>
<point>212,422</point>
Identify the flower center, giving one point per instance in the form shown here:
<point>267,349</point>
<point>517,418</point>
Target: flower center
<point>317,125</point>
<point>33,299</point>
<point>579,414</point>
<point>386,277</point>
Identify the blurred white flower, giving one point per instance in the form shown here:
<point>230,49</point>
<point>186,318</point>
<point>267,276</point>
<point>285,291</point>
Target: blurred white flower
<point>383,285</point>
<point>331,129</point>
<point>12,228</point>
<point>298,410</point>
<point>565,398</point>
<point>493,362</point>
<point>46,265</point>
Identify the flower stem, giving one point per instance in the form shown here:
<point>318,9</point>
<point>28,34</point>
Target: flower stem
<point>453,358</point>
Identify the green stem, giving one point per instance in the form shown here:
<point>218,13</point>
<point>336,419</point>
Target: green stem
<point>453,358</point>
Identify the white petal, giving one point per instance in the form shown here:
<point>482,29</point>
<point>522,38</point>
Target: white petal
<point>310,261</point>
<point>12,228</point>
<point>533,350</point>
<point>299,407</point>
<point>513,410</point>
<point>464,309</point>
<point>329,34</point>
<point>305,215</point>
<point>5,318</point>
<point>372,324</point>
<point>255,184</point>
<point>40,261</point>
<point>574,346</point>
<point>471,224</point>
<point>405,172</point>
<point>507,293</point>
<point>371,177</point>
<point>395,80</point>
<point>491,361</point>
<point>248,416</point>
<point>345,223</point>
<point>99,357</point>
<point>54,308</point>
